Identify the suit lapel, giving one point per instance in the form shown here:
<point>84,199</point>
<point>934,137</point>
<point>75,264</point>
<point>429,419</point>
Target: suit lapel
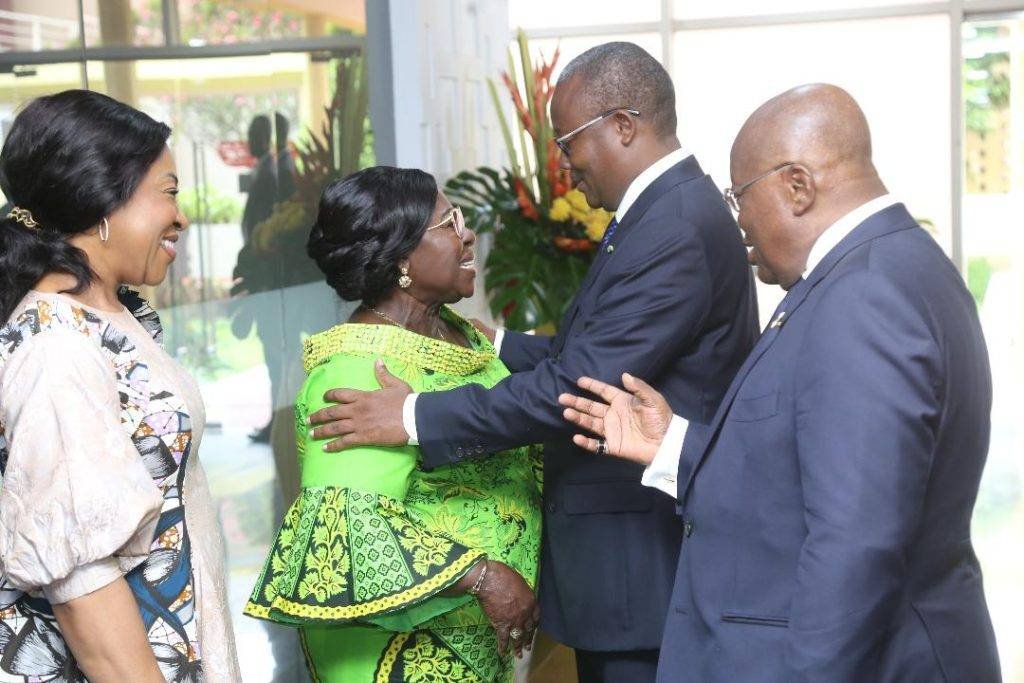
<point>887,221</point>
<point>684,171</point>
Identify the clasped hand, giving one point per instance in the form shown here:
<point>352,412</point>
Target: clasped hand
<point>363,418</point>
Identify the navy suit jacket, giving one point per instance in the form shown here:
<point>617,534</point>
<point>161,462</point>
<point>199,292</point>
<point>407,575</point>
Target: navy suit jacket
<point>674,302</point>
<point>828,504</point>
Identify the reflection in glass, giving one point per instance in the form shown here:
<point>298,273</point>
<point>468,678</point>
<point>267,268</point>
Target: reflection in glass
<point>32,25</point>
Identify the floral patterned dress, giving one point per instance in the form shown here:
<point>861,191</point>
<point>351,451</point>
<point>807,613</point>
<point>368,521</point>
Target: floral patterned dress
<point>367,550</point>
<point>98,432</point>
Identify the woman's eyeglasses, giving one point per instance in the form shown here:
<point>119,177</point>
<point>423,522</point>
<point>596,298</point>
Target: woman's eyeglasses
<point>456,220</point>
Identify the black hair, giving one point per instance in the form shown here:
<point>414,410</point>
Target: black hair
<point>623,74</point>
<point>367,223</point>
<point>70,159</point>
<point>259,135</point>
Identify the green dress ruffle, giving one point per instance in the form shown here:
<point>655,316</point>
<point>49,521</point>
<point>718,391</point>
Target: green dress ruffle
<point>366,551</point>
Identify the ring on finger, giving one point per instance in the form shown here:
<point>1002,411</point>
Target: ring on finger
<point>515,633</point>
<point>602,447</point>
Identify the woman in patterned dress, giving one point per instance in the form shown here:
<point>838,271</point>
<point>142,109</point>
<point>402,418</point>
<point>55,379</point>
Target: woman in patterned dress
<point>394,573</point>
<point>110,561</point>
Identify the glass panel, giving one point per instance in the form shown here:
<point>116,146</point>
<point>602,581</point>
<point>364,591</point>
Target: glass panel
<point>701,9</point>
<point>32,26</point>
<point>994,253</point>
<point>242,294</point>
<point>123,22</point>
<point>214,22</point>
<point>906,100</point>
<point>545,14</point>
<point>24,83</point>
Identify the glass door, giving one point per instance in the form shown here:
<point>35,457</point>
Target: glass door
<point>993,244</point>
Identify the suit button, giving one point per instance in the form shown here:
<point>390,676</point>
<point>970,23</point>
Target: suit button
<point>687,528</point>
<point>552,507</point>
<point>460,451</point>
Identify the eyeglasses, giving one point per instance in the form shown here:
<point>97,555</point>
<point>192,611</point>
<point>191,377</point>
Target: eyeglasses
<point>563,141</point>
<point>732,194</point>
<point>456,220</point>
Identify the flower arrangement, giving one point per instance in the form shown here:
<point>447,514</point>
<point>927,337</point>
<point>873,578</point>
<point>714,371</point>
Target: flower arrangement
<point>545,234</point>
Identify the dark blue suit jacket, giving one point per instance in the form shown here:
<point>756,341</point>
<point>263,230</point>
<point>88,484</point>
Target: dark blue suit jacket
<point>828,505</point>
<point>673,302</point>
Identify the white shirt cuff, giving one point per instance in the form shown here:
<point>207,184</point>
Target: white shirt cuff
<point>499,336</point>
<point>409,419</point>
<point>661,473</point>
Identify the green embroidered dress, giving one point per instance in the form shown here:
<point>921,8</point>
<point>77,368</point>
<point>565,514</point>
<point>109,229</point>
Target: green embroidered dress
<point>365,553</point>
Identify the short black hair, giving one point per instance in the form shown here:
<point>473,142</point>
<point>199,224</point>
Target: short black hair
<point>621,74</point>
<point>70,159</point>
<point>366,224</point>
<point>259,135</point>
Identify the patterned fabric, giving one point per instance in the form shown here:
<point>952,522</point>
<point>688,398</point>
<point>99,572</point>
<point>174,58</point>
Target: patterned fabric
<point>608,232</point>
<point>354,549</point>
<point>160,428</point>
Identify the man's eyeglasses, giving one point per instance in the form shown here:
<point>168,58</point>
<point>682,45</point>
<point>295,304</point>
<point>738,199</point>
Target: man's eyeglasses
<point>563,141</point>
<point>732,194</point>
<point>455,219</point>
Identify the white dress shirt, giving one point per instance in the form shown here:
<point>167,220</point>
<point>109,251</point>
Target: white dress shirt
<point>661,473</point>
<point>639,184</point>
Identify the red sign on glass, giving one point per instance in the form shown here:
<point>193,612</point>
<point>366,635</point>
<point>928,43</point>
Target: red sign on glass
<point>236,153</point>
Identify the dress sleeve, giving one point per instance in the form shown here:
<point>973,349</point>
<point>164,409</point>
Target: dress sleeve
<point>348,548</point>
<point>77,507</point>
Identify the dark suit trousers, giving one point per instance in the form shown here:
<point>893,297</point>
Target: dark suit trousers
<point>632,666</point>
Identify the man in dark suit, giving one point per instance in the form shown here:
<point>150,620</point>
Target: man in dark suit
<point>827,506</point>
<point>669,295</point>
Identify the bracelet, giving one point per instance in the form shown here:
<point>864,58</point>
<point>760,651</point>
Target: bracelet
<point>475,589</point>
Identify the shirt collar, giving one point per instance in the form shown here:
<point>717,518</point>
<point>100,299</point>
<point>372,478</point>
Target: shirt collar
<point>835,233</point>
<point>648,176</point>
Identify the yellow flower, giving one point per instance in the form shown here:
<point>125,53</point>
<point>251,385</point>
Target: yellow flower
<point>561,211</point>
<point>596,224</point>
<point>577,200</point>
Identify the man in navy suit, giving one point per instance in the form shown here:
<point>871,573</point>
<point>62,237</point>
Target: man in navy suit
<point>827,506</point>
<point>669,296</point>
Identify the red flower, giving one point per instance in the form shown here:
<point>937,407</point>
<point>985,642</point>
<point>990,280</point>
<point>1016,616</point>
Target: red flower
<point>572,245</point>
<point>560,179</point>
<point>517,100</point>
<point>525,203</point>
<point>509,307</point>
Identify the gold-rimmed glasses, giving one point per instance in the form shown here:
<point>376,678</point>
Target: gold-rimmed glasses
<point>455,219</point>
<point>732,194</point>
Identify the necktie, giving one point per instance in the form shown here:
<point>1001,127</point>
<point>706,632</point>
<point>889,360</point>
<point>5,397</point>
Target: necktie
<point>608,232</point>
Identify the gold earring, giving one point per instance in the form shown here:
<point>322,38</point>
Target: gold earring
<point>404,281</point>
<point>105,230</point>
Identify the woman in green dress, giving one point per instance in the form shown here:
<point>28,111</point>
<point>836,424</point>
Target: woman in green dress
<point>391,572</point>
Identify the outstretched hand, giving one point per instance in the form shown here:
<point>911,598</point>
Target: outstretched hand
<point>631,422</point>
<point>363,418</point>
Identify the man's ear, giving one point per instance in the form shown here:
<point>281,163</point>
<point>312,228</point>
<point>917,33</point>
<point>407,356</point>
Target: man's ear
<point>625,126</point>
<point>800,188</point>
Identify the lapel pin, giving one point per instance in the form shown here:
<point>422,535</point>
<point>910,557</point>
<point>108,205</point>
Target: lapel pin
<point>610,248</point>
<point>779,320</point>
